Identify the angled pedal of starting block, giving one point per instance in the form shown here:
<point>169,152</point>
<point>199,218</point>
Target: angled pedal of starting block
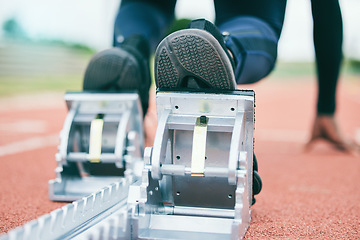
<point>101,143</point>
<point>197,179</point>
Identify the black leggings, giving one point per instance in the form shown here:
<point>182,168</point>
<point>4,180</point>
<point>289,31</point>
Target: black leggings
<point>253,29</point>
<point>152,18</point>
<point>328,36</point>
<point>270,11</point>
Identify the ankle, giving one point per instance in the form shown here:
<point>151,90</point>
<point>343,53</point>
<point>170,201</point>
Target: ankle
<point>137,43</point>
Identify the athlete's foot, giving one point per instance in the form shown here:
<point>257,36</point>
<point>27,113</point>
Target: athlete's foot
<point>194,58</point>
<point>121,68</point>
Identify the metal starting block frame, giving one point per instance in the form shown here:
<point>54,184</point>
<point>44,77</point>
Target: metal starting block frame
<point>101,143</point>
<point>197,180</point>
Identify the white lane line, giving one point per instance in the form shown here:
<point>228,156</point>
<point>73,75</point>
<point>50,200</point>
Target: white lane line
<point>38,101</point>
<point>25,126</point>
<point>29,144</point>
<point>282,135</point>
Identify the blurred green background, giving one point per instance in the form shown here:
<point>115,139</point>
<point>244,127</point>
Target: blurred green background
<point>32,66</point>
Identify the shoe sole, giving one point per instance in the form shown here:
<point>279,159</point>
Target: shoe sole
<point>112,69</point>
<point>193,53</point>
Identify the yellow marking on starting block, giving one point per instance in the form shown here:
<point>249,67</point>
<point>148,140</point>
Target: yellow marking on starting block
<point>199,147</point>
<point>96,129</point>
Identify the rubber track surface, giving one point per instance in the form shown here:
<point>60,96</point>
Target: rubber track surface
<point>305,195</point>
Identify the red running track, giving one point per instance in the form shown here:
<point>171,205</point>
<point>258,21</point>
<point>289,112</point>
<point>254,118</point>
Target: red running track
<point>306,195</point>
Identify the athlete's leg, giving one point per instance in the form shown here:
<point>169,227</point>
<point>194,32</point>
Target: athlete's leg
<point>328,34</point>
<point>149,19</point>
<point>252,30</point>
<point>139,27</point>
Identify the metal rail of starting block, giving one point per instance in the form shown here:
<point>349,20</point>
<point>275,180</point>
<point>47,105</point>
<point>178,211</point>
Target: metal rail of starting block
<point>101,142</point>
<point>196,182</point>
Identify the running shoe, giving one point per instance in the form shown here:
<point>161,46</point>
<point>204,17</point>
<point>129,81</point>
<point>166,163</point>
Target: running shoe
<point>121,68</point>
<point>194,58</point>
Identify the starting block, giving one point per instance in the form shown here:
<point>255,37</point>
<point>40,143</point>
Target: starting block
<point>197,179</point>
<point>101,143</point>
<point>196,182</point>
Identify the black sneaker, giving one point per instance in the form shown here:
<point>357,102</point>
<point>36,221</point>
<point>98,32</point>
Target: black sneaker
<point>121,68</point>
<point>194,58</point>
<point>257,183</point>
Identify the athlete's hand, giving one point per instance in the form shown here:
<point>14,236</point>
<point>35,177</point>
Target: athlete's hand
<point>325,127</point>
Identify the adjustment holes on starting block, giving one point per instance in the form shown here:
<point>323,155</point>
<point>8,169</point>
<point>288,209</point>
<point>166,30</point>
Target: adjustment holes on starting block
<point>177,157</point>
<point>176,107</point>
<point>232,109</point>
<point>205,157</point>
<point>230,196</point>
<point>177,193</point>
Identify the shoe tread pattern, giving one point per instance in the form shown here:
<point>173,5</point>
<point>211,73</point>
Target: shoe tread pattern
<point>167,76</point>
<point>199,58</point>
